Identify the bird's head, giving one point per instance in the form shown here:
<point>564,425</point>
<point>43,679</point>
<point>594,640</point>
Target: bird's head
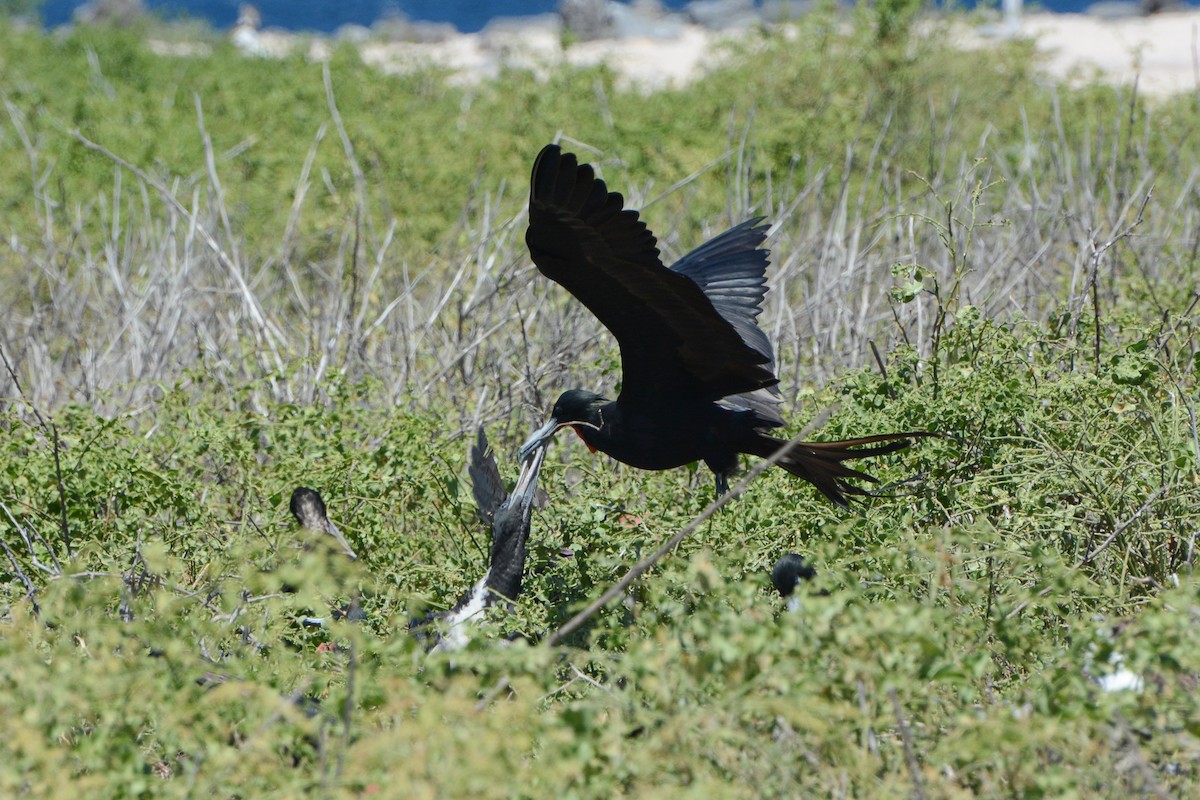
<point>309,509</point>
<point>574,408</point>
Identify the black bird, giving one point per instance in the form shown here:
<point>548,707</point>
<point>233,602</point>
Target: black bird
<point>787,574</point>
<point>697,373</point>
<point>509,515</point>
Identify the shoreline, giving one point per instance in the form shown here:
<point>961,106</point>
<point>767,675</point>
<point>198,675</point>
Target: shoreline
<point>1161,52</point>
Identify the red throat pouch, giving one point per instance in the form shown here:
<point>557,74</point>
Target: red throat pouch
<point>579,433</point>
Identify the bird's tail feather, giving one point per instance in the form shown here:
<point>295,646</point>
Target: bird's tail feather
<point>821,463</point>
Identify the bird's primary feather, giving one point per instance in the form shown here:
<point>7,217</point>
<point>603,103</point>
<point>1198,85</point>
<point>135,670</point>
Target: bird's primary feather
<point>486,484</point>
<point>731,270</point>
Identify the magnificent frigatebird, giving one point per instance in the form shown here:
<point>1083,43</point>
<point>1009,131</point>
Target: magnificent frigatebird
<point>697,373</point>
<point>786,575</point>
<point>788,571</point>
<point>509,516</point>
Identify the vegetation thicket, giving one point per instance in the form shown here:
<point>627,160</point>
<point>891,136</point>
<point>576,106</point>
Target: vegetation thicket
<point>225,277</point>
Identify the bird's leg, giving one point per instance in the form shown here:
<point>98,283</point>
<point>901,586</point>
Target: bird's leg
<point>722,483</point>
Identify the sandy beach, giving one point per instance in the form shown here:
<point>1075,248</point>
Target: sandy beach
<point>1161,52</point>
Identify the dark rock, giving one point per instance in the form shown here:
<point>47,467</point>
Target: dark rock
<point>1157,6</point>
<point>1113,9</point>
<point>588,19</point>
<point>785,10</point>
<point>121,13</point>
<point>634,21</point>
<point>395,27</point>
<point>722,14</point>
<point>649,9</point>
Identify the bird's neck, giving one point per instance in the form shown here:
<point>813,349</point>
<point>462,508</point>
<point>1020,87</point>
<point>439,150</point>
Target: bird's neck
<point>601,427</point>
<point>510,534</point>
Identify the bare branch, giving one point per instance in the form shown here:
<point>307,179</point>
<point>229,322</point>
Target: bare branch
<point>642,566</point>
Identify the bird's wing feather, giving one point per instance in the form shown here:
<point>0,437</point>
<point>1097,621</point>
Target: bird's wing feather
<point>672,337</point>
<point>731,270</point>
<point>486,483</point>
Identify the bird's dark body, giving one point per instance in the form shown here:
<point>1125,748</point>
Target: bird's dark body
<point>697,373</point>
<point>655,436</point>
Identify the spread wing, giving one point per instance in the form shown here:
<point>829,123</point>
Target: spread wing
<point>674,341</point>
<point>731,270</point>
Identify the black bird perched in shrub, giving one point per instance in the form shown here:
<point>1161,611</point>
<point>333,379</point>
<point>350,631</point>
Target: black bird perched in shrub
<point>697,373</point>
<point>787,574</point>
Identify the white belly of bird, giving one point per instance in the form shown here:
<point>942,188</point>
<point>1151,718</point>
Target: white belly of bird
<point>459,623</point>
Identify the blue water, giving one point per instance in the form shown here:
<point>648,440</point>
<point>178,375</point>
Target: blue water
<point>328,15</point>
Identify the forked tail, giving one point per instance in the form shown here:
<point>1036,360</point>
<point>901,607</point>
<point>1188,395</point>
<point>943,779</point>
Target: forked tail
<point>821,463</point>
